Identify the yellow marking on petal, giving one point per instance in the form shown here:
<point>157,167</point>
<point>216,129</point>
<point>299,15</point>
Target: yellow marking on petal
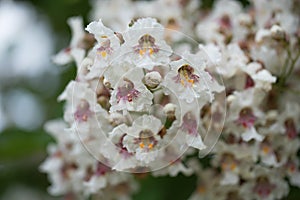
<point>103,36</point>
<point>182,82</point>
<point>151,51</point>
<point>103,54</point>
<point>185,74</point>
<point>142,145</point>
<point>191,81</point>
<point>141,52</point>
<point>266,149</point>
<point>201,189</point>
<point>150,146</point>
<point>232,166</point>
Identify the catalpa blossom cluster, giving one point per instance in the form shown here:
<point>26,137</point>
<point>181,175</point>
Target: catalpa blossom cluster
<point>134,106</point>
<point>149,99</point>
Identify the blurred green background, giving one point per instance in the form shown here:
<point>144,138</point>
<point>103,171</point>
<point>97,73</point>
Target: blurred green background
<point>22,151</point>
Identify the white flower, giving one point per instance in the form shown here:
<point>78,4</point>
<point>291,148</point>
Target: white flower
<point>261,34</point>
<point>223,23</point>
<point>64,56</point>
<point>211,53</point>
<point>186,129</point>
<point>244,111</point>
<point>95,184</point>
<point>119,156</point>
<point>233,58</point>
<point>130,93</point>
<point>230,178</point>
<point>82,102</point>
<point>268,13</point>
<point>266,184</point>
<point>143,139</point>
<point>106,49</point>
<point>189,81</point>
<point>145,45</point>
<point>250,134</point>
<point>104,9</point>
<point>206,183</point>
<point>116,71</point>
<point>138,106</point>
<point>262,77</point>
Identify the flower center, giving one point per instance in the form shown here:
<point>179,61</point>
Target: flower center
<point>249,82</point>
<point>290,128</point>
<point>190,124</point>
<point>246,118</point>
<point>146,140</point>
<point>266,147</point>
<point>102,169</point>
<point>291,166</point>
<point>104,49</point>
<point>263,187</point>
<point>186,76</point>
<point>228,162</point>
<point>127,92</point>
<point>83,111</point>
<point>225,22</point>
<point>146,45</point>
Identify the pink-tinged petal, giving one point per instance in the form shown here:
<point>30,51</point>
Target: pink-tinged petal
<point>263,187</point>
<point>102,169</point>
<point>127,92</point>
<point>122,149</point>
<point>190,124</point>
<point>83,111</point>
<point>246,118</point>
<point>290,129</point>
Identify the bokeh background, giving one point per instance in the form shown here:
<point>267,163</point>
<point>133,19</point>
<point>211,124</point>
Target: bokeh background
<point>31,32</point>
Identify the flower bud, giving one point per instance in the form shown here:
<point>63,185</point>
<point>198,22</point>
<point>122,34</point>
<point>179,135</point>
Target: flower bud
<point>106,83</point>
<point>116,119</point>
<point>169,109</point>
<point>230,98</point>
<point>272,114</point>
<point>277,32</point>
<point>152,79</point>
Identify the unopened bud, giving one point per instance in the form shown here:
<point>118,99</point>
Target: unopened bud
<point>152,79</point>
<point>272,114</point>
<point>245,20</point>
<point>104,102</point>
<point>120,36</point>
<point>106,83</point>
<point>116,119</point>
<point>170,109</point>
<point>230,98</point>
<point>277,32</point>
